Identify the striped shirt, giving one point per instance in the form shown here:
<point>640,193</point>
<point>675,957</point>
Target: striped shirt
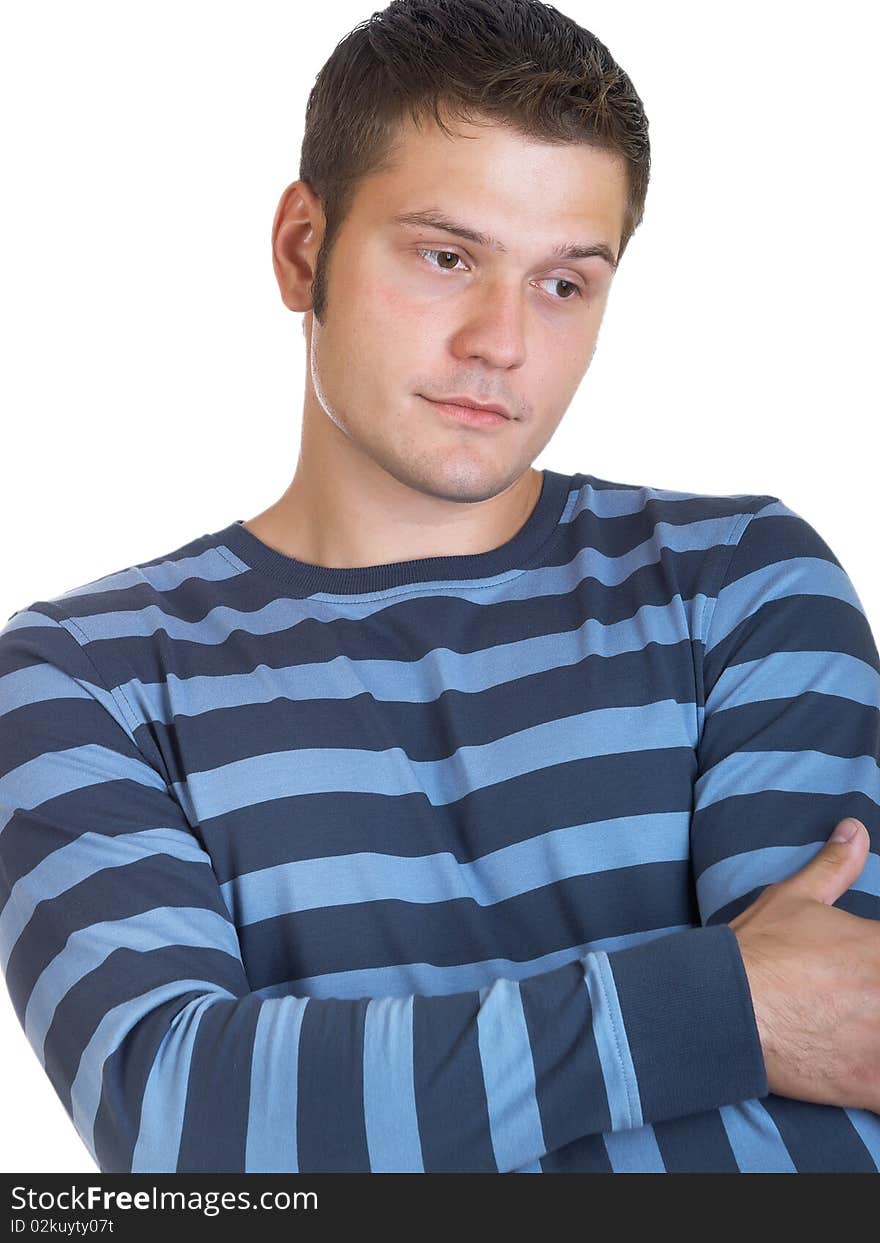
<point>428,866</point>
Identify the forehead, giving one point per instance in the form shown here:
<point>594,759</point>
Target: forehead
<point>516,185</point>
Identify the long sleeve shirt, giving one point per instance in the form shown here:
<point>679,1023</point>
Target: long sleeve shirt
<point>428,866</point>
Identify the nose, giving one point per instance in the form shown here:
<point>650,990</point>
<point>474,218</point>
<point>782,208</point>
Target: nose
<point>494,324</point>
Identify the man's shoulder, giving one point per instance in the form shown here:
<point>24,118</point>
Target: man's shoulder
<point>654,494</point>
<point>665,512</point>
<point>137,585</point>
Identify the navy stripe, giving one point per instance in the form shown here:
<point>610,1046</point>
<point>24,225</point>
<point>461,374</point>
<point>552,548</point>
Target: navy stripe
<point>607,787</point>
<point>218,1090</point>
<point>695,1145</point>
<point>331,1128</point>
<point>453,1111</point>
<point>459,930</point>
<point>585,1155</point>
<point>820,1138</point>
<point>559,1017</point>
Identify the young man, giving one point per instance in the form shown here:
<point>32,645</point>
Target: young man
<point>450,814</point>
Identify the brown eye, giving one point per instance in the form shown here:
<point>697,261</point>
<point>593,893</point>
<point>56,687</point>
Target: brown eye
<point>441,254</point>
<point>570,289</point>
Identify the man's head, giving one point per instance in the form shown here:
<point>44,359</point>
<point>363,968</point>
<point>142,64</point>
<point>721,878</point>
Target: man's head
<point>511,120</point>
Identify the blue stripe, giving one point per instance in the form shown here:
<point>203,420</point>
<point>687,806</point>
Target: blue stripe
<point>164,1104</point>
<point>779,581</point>
<point>782,675</point>
<point>315,770</point>
<point>812,772</point>
<point>634,1152</point>
<point>730,878</point>
<point>509,1076</point>
<point>271,1131</point>
<point>209,566</point>
<point>308,884</point>
<point>74,769</point>
<point>755,1139</point>
<point>621,1085</point>
<point>389,1089</point>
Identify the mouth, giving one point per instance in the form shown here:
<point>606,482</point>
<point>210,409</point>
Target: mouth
<point>493,416</point>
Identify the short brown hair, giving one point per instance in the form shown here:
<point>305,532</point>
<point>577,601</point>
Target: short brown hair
<point>517,62</point>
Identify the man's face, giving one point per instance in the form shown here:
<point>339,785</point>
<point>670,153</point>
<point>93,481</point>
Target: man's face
<point>461,318</point>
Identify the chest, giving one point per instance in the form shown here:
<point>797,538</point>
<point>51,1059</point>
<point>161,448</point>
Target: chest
<point>388,814</point>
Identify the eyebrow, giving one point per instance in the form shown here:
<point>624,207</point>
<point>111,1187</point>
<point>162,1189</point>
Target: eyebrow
<point>436,220</point>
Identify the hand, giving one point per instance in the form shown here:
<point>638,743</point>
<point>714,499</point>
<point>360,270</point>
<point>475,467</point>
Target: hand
<point>814,974</point>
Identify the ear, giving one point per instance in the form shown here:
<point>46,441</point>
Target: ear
<point>297,231</point>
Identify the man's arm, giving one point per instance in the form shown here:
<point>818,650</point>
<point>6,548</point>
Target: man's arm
<point>125,970</point>
<point>789,746</point>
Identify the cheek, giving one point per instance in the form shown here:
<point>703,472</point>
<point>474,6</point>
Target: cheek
<point>364,329</point>
<point>391,301</point>
<point>403,328</point>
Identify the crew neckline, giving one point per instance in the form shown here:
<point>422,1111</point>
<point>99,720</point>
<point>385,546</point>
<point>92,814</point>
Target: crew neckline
<point>302,578</point>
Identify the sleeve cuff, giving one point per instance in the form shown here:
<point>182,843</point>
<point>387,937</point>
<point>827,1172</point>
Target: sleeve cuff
<point>689,1032</point>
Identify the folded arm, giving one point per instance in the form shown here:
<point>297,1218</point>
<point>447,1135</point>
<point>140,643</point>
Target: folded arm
<point>789,746</point>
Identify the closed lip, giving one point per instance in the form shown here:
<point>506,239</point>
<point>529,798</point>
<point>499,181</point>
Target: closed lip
<point>494,406</point>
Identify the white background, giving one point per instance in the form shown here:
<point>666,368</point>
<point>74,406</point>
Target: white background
<point>152,379</point>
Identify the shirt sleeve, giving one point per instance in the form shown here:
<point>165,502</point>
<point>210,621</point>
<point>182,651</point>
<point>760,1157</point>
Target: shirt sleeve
<point>125,970</point>
<point>790,729</point>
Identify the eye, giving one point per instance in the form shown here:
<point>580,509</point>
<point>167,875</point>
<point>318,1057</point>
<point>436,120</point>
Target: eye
<point>573,288</point>
<point>560,280</point>
<point>447,253</point>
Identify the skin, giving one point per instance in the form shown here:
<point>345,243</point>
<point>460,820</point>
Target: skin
<point>814,976</point>
<point>407,481</point>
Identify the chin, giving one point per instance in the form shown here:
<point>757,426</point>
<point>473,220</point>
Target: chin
<point>468,482</point>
